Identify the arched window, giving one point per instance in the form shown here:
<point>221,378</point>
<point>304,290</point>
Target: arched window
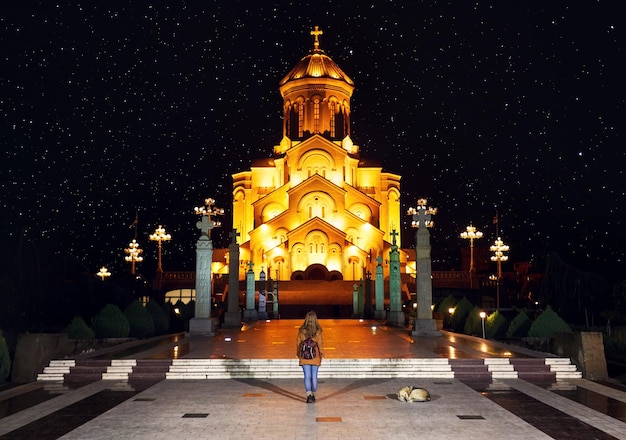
<point>332,118</point>
<point>338,121</point>
<point>300,119</point>
<point>293,119</point>
<point>316,115</point>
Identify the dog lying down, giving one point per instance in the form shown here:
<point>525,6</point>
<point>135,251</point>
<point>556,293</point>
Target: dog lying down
<point>412,394</point>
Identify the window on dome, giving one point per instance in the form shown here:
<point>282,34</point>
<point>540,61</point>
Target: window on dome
<point>316,115</point>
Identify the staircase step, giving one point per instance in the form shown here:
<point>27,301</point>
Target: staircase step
<point>548,369</point>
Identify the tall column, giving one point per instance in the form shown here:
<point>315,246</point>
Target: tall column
<point>232,317</point>
<point>396,315</point>
<point>275,314</point>
<point>250,313</point>
<point>380,290</point>
<point>201,323</point>
<point>262,314</point>
<point>425,325</point>
<point>368,313</point>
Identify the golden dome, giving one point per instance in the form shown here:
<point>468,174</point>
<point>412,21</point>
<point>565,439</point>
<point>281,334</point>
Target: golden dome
<point>316,65</point>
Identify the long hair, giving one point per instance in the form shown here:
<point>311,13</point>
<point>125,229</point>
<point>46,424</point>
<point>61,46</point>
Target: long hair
<point>311,325</point>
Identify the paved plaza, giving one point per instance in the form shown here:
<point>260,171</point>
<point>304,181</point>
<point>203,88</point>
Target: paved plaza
<point>346,408</point>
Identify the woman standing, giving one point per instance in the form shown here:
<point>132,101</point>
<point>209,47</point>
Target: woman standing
<point>310,349</point>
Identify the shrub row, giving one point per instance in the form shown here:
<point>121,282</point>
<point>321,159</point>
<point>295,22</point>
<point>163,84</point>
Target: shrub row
<point>136,321</point>
<point>466,319</point>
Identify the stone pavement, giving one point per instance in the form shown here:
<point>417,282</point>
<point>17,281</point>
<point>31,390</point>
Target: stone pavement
<point>345,408</point>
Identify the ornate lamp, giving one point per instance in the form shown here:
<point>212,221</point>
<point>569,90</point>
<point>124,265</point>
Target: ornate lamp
<point>134,255</point>
<point>103,273</point>
<point>498,249</point>
<point>422,214</point>
<point>471,234</point>
<point>160,236</point>
<point>206,212</point>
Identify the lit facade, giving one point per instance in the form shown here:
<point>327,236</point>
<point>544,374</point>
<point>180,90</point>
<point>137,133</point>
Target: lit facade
<point>315,210</point>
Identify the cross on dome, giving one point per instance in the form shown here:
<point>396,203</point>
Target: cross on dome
<point>316,33</point>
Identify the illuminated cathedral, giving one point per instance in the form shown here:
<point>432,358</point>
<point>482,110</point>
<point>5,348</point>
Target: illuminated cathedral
<point>316,210</point>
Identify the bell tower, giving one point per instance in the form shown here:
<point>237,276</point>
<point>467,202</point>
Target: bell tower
<point>316,97</point>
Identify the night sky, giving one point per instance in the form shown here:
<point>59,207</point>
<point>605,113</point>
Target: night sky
<point>152,106</point>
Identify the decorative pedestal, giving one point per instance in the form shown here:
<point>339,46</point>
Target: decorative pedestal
<point>232,320</point>
<point>250,315</point>
<point>425,327</point>
<point>396,319</point>
<point>380,315</point>
<point>201,326</point>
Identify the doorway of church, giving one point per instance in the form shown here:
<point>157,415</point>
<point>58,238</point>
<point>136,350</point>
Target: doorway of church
<point>317,272</point>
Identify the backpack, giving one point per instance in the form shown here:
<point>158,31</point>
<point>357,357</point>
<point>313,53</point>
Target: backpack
<point>308,349</point>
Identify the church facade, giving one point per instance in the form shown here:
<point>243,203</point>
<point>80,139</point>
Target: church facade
<point>316,210</point>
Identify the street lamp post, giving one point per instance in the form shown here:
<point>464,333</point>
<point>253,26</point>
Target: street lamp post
<point>471,234</point>
<point>134,255</point>
<point>160,236</point>
<point>483,315</point>
<point>103,273</point>
<point>498,249</point>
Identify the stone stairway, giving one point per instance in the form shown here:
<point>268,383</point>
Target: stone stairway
<point>487,369</point>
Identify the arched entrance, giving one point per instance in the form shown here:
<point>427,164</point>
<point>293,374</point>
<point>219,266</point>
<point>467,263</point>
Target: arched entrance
<point>317,272</point>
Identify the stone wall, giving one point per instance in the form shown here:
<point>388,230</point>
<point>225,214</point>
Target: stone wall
<point>35,350</point>
<point>586,350</point>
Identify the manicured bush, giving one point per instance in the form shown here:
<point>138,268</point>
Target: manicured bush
<point>473,323</point>
<point>78,329</point>
<point>5,359</point>
<point>519,326</point>
<point>445,305</point>
<point>161,321</point>
<point>461,311</point>
<point>110,322</point>
<point>139,319</point>
<point>547,324</point>
<point>495,325</point>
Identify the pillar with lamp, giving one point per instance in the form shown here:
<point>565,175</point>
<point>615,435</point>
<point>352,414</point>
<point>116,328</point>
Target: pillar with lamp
<point>422,220</point>
<point>471,234</point>
<point>133,250</point>
<point>201,323</point>
<point>103,273</point>
<point>498,249</point>
<point>133,256</point>
<point>483,315</point>
<point>159,236</point>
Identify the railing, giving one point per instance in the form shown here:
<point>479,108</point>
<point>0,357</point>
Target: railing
<point>441,278</point>
<point>452,278</point>
<point>179,276</point>
<point>175,280</point>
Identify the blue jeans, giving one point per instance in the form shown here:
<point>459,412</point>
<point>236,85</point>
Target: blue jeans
<point>310,377</point>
